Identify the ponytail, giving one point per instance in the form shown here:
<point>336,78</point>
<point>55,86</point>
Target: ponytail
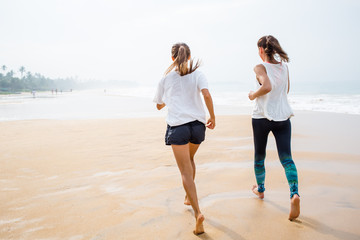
<point>181,53</point>
<point>272,47</point>
<point>182,64</point>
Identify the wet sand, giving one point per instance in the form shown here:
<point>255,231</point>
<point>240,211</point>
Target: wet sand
<point>115,179</point>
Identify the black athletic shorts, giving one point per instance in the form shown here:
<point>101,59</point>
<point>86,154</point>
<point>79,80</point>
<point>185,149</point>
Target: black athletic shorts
<point>193,132</point>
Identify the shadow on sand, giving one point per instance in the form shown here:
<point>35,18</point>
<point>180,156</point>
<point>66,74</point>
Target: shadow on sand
<point>316,225</point>
<point>227,231</point>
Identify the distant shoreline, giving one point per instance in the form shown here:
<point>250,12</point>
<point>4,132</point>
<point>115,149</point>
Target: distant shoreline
<point>110,103</point>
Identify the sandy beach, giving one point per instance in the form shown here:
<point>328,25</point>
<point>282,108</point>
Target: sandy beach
<point>115,179</point>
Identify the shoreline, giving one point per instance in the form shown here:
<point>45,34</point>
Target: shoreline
<point>224,112</point>
<point>137,102</point>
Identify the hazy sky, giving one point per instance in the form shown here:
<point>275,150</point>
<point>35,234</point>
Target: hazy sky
<point>131,40</point>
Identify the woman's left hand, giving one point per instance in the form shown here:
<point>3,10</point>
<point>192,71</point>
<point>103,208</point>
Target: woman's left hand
<point>211,123</point>
<point>160,106</point>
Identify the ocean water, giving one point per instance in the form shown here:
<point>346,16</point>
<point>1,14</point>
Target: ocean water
<point>330,97</point>
<point>136,102</point>
<point>89,104</point>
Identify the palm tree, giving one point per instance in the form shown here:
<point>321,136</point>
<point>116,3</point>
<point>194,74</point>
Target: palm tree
<point>3,67</point>
<point>29,75</point>
<point>10,73</point>
<point>22,70</point>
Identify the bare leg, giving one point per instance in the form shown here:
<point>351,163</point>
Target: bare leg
<point>295,207</point>
<point>193,148</point>
<point>182,156</point>
<point>257,193</point>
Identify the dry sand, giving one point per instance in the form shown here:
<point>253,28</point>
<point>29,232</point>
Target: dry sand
<point>115,179</point>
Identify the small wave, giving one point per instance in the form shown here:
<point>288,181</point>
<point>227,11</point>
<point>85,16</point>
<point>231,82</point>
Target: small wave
<point>349,104</point>
<point>137,103</point>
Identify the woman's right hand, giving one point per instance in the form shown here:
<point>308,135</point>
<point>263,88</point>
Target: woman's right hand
<point>251,95</point>
<point>211,123</point>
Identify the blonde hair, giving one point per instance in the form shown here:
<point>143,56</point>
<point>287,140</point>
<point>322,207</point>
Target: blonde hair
<point>181,53</point>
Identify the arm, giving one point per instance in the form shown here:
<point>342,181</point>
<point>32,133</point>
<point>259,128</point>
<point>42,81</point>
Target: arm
<point>288,80</point>
<point>209,104</point>
<point>288,85</point>
<point>158,99</point>
<point>160,106</point>
<point>263,79</point>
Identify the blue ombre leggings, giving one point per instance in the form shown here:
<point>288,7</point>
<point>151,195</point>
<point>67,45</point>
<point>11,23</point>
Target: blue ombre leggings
<point>282,134</point>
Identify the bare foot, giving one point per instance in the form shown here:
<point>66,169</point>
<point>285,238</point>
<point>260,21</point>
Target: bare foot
<point>186,201</point>
<point>199,228</point>
<point>259,194</point>
<point>295,207</point>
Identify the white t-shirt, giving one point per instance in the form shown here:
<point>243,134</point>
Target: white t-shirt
<point>181,94</point>
<point>274,105</point>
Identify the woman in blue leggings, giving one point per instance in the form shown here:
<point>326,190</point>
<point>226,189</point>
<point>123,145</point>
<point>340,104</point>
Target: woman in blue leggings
<point>272,112</point>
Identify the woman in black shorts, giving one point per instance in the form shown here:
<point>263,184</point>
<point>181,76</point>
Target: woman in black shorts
<point>180,90</point>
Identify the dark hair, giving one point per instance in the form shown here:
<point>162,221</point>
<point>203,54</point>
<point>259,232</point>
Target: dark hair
<point>272,46</point>
<point>181,53</point>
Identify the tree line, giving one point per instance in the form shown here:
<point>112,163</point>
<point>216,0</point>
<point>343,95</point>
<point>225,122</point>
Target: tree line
<point>28,81</point>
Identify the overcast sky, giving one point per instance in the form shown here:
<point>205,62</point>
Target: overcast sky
<point>131,40</point>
